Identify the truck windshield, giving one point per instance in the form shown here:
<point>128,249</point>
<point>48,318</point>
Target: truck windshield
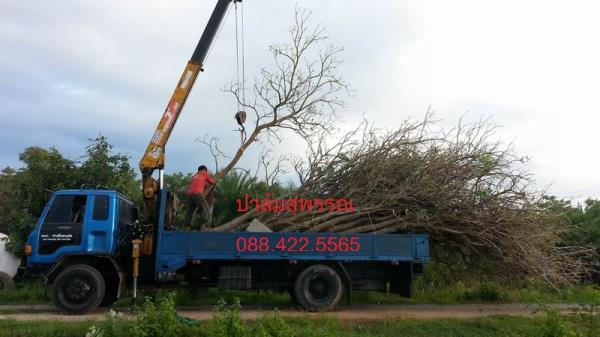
<point>66,209</point>
<point>62,226</point>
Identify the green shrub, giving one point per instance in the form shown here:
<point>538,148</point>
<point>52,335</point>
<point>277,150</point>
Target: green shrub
<point>454,293</point>
<point>227,320</point>
<point>113,326</point>
<point>151,320</point>
<point>554,326</point>
<point>486,292</point>
<point>157,320</point>
<point>587,319</point>
<point>272,325</point>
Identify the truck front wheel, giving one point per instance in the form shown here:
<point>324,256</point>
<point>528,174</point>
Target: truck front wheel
<point>78,289</point>
<point>318,288</point>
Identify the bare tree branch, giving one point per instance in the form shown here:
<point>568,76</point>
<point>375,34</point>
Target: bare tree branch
<point>300,94</point>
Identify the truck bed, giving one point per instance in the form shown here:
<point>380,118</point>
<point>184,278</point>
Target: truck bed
<point>175,248</point>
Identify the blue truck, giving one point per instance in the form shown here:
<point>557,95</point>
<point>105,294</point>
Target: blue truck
<point>89,244</point>
<point>81,246</point>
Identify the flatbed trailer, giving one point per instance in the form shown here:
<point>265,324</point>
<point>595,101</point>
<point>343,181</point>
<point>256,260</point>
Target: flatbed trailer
<point>176,248</point>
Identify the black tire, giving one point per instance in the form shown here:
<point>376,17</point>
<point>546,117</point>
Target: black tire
<point>78,289</point>
<point>318,288</point>
<point>6,282</point>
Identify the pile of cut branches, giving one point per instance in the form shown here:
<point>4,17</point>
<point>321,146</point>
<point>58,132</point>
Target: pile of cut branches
<point>464,189</point>
<point>459,186</point>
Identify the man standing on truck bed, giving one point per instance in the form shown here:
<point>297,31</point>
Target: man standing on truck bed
<point>196,197</point>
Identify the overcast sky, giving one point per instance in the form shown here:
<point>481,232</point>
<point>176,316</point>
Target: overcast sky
<point>72,69</point>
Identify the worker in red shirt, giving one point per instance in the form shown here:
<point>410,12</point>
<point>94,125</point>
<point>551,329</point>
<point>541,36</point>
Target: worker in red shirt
<point>196,197</point>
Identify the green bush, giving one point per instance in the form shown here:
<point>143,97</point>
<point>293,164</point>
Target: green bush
<point>227,321</point>
<point>486,292</point>
<point>323,326</point>
<point>587,319</point>
<point>273,325</point>
<point>152,319</point>
<point>113,326</point>
<point>553,325</point>
<point>157,320</point>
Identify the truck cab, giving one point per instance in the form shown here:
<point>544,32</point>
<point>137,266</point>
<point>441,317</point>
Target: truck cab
<point>82,241</point>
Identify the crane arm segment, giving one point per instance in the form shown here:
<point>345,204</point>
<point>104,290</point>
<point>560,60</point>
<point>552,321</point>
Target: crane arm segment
<point>154,157</point>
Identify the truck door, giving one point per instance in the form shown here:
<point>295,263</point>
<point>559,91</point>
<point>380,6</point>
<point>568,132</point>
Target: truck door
<point>63,223</point>
<point>98,234</point>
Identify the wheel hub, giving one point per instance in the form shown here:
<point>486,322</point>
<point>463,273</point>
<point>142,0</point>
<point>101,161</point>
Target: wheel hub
<point>318,288</point>
<point>77,290</point>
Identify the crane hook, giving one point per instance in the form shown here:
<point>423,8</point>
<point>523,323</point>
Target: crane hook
<point>240,117</point>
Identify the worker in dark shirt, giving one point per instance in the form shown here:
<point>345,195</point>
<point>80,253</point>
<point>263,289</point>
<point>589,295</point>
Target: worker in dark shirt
<point>196,197</point>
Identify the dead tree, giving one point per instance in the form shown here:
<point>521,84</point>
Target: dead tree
<point>301,93</point>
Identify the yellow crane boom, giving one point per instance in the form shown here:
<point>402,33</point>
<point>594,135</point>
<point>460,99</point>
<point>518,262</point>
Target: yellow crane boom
<point>154,157</point>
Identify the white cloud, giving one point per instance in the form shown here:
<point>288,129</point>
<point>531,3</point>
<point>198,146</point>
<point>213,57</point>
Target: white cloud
<point>70,69</point>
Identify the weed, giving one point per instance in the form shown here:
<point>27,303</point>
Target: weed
<point>498,326</point>
<point>227,321</point>
<point>24,293</point>
<point>151,320</point>
<point>588,320</point>
<point>157,320</point>
<point>272,325</point>
<point>113,326</point>
<point>423,292</point>
<point>486,292</point>
<point>553,325</point>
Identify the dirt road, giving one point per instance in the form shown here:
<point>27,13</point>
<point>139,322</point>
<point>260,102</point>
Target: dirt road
<point>353,313</point>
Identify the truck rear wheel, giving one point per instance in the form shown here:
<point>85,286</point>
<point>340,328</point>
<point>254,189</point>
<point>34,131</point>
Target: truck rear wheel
<point>318,288</point>
<point>78,289</point>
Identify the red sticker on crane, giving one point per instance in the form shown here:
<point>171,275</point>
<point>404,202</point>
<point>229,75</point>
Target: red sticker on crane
<point>173,107</point>
<point>169,116</point>
<point>168,119</point>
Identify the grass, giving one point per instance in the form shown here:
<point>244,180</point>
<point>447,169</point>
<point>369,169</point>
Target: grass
<point>188,296</point>
<point>493,326</point>
<point>484,292</point>
<point>543,293</point>
<point>24,293</point>
<point>490,292</point>
<point>488,327</point>
<point>160,318</point>
<point>34,329</point>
